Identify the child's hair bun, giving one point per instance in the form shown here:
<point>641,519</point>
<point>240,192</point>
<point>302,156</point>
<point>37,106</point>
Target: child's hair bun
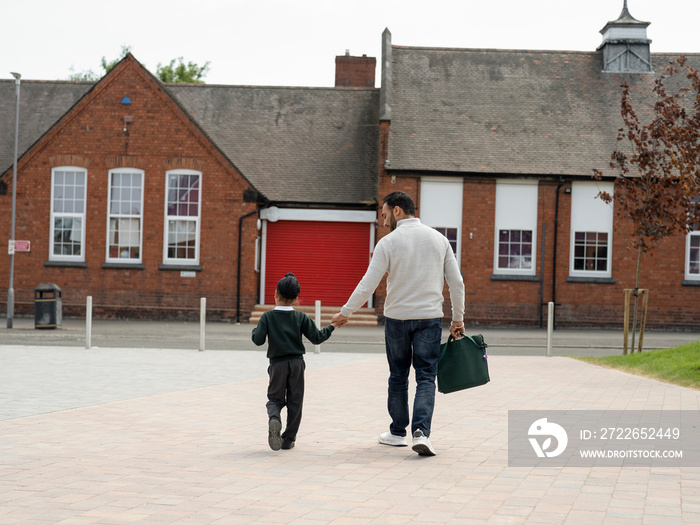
<point>288,286</point>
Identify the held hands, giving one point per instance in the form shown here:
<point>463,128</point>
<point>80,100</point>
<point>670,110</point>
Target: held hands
<point>338,320</point>
<point>456,329</point>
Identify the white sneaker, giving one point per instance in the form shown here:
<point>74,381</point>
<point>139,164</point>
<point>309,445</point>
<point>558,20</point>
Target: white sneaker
<point>387,438</point>
<point>421,444</point>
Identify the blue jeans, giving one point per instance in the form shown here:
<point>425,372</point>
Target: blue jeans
<point>416,342</point>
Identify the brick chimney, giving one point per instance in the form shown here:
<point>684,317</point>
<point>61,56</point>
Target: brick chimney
<point>354,71</point>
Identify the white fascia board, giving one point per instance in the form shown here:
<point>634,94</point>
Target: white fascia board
<point>293,214</point>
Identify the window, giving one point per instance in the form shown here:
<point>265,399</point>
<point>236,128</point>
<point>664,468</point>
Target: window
<point>451,234</point>
<point>516,227</point>
<point>692,250</point>
<point>515,249</point>
<point>125,209</point>
<point>591,251</point>
<point>591,230</point>
<point>68,186</point>
<point>441,208</point>
<point>693,257</point>
<point>182,217</point>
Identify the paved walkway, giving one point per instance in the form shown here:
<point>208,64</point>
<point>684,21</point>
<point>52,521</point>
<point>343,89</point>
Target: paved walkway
<point>118,435</point>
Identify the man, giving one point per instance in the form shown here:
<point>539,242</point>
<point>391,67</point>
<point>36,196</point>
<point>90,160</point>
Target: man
<point>418,260</point>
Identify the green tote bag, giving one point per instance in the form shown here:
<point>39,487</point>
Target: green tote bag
<point>463,363</point>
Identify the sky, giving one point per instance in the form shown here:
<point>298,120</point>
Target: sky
<point>295,42</point>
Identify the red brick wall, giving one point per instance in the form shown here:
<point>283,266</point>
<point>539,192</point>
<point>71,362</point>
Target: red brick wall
<point>160,137</point>
<point>355,71</point>
<point>494,302</point>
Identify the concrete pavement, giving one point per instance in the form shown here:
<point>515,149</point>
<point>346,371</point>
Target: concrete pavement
<point>153,431</point>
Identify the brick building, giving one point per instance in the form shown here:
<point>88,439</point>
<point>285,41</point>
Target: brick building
<point>499,146</point>
<point>148,196</point>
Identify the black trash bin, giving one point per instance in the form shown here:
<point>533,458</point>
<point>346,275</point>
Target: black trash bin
<point>47,306</point>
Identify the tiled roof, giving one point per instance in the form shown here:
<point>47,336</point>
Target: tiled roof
<point>507,112</point>
<point>301,145</point>
<point>293,144</point>
<point>41,105</point>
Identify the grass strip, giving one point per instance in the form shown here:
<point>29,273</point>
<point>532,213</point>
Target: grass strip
<point>679,365</point>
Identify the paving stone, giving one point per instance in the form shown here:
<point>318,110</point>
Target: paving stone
<point>152,435</point>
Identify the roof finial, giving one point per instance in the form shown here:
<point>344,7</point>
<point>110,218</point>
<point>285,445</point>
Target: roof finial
<point>625,15</point>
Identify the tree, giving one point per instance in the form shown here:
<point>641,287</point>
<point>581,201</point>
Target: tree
<point>180,72</point>
<point>658,183</point>
<point>107,66</point>
<point>90,76</point>
<point>188,73</point>
<point>83,76</point>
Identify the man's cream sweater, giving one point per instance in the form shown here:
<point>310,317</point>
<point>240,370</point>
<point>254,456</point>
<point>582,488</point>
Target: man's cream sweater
<point>418,260</point>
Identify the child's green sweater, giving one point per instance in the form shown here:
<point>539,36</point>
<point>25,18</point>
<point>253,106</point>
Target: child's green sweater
<point>283,327</point>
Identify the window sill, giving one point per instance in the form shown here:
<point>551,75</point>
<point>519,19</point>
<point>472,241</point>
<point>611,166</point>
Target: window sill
<point>594,280</point>
<point>180,267</point>
<point>123,266</point>
<point>66,264</point>
<point>689,282</point>
<point>514,277</point>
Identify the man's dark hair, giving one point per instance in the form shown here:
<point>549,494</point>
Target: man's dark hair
<point>288,287</point>
<point>402,200</point>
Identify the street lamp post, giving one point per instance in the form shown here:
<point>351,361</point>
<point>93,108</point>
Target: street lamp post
<point>11,290</point>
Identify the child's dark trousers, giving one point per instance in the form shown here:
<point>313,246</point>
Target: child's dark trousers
<point>286,388</point>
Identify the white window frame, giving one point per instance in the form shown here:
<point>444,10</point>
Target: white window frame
<point>74,215</point>
<point>590,214</point>
<point>692,236</point>
<point>516,209</point>
<point>110,216</point>
<point>690,276</point>
<point>188,218</point>
<point>441,206</point>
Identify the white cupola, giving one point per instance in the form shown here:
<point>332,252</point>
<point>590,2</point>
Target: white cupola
<point>625,46</point>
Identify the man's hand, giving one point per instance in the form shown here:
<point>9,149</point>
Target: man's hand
<point>456,330</point>
<point>339,320</point>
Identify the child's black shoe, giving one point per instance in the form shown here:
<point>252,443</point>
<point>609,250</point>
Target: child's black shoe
<point>274,428</point>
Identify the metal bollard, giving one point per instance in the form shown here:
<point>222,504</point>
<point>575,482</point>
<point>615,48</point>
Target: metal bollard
<point>202,321</point>
<point>550,326</point>
<point>317,348</point>
<point>88,323</point>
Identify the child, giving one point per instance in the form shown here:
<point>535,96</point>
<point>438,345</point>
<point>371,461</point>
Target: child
<point>284,327</point>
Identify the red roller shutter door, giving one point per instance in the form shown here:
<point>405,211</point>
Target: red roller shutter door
<point>328,258</point>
